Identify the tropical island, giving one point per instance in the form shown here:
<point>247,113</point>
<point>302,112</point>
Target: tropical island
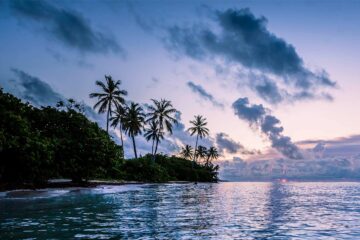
<point>38,144</point>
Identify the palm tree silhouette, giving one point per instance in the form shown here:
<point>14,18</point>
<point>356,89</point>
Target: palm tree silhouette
<point>199,128</point>
<point>187,152</point>
<point>162,113</point>
<point>134,119</point>
<point>110,95</point>
<point>212,154</point>
<point>153,133</point>
<point>201,152</point>
<point>118,119</point>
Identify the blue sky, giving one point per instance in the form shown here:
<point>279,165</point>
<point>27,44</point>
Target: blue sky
<point>297,61</point>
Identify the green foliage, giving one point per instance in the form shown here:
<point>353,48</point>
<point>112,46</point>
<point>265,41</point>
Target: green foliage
<point>143,169</point>
<point>38,144</point>
<point>167,168</point>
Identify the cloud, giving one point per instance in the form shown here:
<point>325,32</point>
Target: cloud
<point>251,113</point>
<point>353,139</point>
<point>269,91</point>
<point>337,158</point>
<point>226,144</point>
<point>39,93</point>
<point>145,25</point>
<point>238,37</point>
<point>200,91</point>
<point>319,149</point>
<point>60,58</point>
<point>303,169</point>
<point>256,116</point>
<point>33,90</point>
<point>66,26</point>
<point>347,147</point>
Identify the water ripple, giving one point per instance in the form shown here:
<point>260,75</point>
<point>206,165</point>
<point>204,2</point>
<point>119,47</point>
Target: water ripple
<point>187,211</point>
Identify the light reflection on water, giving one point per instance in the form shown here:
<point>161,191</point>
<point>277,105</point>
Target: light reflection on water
<point>187,211</point>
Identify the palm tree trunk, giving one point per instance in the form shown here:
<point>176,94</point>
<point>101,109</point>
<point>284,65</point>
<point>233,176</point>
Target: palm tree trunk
<point>122,142</point>
<point>152,151</point>
<point>157,140</point>
<point>121,137</point>
<point>152,147</point>
<point>156,146</point>
<point>207,160</point>
<point>196,143</point>
<point>107,119</point>
<point>134,145</point>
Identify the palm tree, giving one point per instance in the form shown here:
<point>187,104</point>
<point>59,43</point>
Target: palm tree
<point>153,133</point>
<point>110,95</point>
<point>201,152</point>
<point>212,154</point>
<point>187,152</point>
<point>118,119</point>
<point>134,119</point>
<point>199,128</point>
<point>71,105</point>
<point>162,113</point>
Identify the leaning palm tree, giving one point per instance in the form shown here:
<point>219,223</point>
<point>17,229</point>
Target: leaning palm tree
<point>201,152</point>
<point>110,96</point>
<point>153,133</point>
<point>212,154</point>
<point>199,128</point>
<point>187,152</point>
<point>134,119</point>
<point>162,113</point>
<point>118,119</point>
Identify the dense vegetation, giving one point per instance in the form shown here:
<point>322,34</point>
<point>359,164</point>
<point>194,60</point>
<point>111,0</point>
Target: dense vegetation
<point>168,169</point>
<point>37,144</point>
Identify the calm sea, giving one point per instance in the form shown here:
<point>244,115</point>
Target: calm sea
<point>292,210</point>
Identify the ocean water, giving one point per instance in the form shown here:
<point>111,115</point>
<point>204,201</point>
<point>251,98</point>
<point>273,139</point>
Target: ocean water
<point>273,210</point>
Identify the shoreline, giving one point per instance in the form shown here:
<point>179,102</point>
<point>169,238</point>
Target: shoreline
<point>56,184</point>
<point>67,183</point>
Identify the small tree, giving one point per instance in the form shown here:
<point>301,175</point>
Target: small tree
<point>201,152</point>
<point>110,96</point>
<point>162,113</point>
<point>187,152</point>
<point>153,133</point>
<point>199,128</point>
<point>212,154</point>
<point>134,119</point>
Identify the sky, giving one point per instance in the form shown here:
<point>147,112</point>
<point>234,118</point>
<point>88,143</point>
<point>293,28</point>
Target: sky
<point>278,81</point>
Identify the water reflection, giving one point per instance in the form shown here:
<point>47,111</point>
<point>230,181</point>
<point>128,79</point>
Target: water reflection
<point>187,211</point>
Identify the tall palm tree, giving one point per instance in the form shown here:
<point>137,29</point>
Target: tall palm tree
<point>134,119</point>
<point>199,128</point>
<point>187,152</point>
<point>201,152</point>
<point>110,95</point>
<point>118,119</point>
<point>162,113</point>
<point>153,133</point>
<point>212,154</point>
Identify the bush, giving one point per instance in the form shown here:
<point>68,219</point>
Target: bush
<point>167,169</point>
